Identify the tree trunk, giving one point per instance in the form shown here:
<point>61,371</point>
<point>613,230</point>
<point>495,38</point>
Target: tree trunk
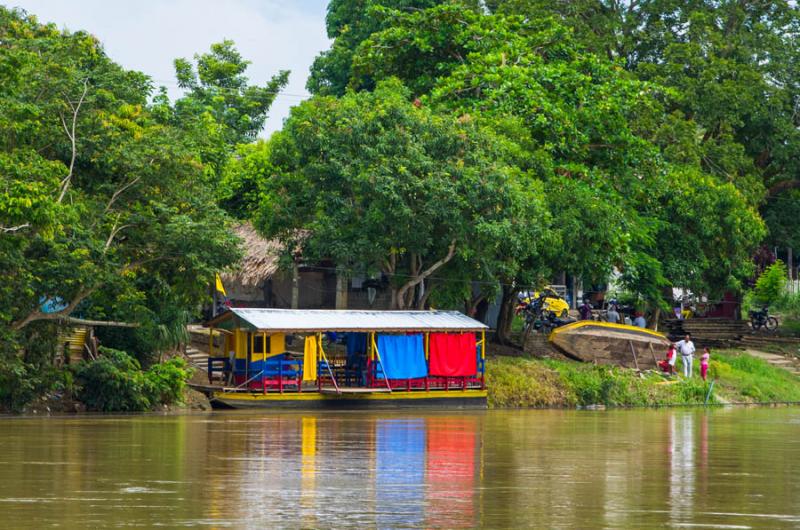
<point>341,290</point>
<point>506,316</point>
<point>295,286</point>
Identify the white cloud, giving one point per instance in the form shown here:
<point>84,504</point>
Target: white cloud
<point>147,35</point>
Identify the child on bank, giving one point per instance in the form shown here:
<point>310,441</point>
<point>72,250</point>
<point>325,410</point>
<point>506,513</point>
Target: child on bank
<point>668,365</point>
<point>704,363</point>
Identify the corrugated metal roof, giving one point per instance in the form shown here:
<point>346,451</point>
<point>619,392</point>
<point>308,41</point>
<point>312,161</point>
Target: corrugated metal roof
<point>352,320</point>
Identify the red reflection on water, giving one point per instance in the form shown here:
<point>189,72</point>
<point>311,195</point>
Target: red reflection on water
<point>450,471</point>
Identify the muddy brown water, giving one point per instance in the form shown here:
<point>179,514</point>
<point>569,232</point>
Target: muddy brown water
<point>680,468</point>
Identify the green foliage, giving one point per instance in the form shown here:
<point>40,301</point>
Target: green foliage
<point>630,181</point>
<point>525,382</point>
<point>349,22</point>
<point>113,221</point>
<point>220,109</point>
<point>374,178</point>
<point>116,383</point>
<point>18,384</point>
<point>242,181</point>
<point>746,378</point>
<point>218,87</point>
<point>731,70</point>
<point>771,285</point>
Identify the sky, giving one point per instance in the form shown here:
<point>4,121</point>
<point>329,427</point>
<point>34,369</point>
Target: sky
<point>147,35</point>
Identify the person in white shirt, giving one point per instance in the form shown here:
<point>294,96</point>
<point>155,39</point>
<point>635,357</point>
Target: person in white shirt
<point>612,315</point>
<point>686,349</point>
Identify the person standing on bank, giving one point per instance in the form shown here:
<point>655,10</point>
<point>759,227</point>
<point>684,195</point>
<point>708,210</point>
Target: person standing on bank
<point>687,349</point>
<point>612,315</point>
<point>704,363</point>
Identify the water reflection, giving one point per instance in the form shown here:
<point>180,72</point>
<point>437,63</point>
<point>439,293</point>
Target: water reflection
<point>542,469</point>
<point>682,466</point>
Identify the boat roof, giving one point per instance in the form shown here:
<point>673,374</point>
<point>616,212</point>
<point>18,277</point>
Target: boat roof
<point>318,320</point>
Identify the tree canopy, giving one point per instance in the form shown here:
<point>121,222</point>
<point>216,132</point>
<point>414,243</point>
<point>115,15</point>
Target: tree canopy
<point>371,178</point>
<point>632,176</point>
<point>105,213</point>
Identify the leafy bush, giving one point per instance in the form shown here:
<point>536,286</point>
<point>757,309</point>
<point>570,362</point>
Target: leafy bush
<point>22,382</point>
<point>116,383</point>
<point>789,304</point>
<point>771,285</point>
<point>17,386</point>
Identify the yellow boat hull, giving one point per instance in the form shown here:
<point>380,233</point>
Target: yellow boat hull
<point>616,344</point>
<point>452,399</point>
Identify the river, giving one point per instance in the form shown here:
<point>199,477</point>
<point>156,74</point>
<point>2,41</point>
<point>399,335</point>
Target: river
<point>720,468</point>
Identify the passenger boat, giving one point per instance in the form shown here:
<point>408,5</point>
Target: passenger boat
<point>284,358</point>
<point>606,343</point>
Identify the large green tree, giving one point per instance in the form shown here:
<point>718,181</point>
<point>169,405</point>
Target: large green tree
<point>104,211</point>
<point>610,148</point>
<point>371,178</point>
<point>733,68</point>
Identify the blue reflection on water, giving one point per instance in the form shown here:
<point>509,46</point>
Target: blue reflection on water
<point>400,472</point>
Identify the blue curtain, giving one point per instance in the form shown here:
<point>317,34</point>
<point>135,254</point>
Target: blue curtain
<point>356,345</point>
<point>402,356</point>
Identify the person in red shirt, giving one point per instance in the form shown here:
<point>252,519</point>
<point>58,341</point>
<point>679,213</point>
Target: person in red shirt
<point>668,364</point>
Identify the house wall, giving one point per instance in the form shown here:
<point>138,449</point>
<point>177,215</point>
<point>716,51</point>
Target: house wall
<point>317,290</point>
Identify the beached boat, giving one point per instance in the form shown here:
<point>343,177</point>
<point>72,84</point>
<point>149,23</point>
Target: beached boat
<point>605,343</point>
<point>283,358</point>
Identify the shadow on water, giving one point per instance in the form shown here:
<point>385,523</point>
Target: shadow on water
<point>723,468</point>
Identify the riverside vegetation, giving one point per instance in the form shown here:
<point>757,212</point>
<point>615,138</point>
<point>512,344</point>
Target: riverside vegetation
<point>739,378</point>
<point>456,147</point>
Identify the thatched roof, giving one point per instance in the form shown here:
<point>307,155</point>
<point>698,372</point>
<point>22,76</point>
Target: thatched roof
<point>260,260</point>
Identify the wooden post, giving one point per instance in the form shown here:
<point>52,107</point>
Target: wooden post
<point>341,290</point>
<point>295,286</point>
<point>327,364</point>
<point>653,353</point>
<point>790,262</point>
<point>383,368</point>
<point>633,351</point>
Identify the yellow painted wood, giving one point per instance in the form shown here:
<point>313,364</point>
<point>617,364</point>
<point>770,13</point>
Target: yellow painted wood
<point>277,343</point>
<point>377,396</point>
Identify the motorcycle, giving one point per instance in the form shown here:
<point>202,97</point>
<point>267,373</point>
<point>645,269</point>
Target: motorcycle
<point>761,319</point>
<point>539,318</point>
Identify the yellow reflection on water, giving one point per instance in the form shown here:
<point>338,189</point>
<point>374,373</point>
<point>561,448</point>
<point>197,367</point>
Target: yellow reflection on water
<point>308,469</point>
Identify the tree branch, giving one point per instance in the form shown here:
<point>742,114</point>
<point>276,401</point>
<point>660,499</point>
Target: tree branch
<point>780,187</point>
<point>108,323</point>
<point>120,191</point>
<point>9,229</point>
<point>451,251</point>
<point>71,135</point>
<point>37,314</point>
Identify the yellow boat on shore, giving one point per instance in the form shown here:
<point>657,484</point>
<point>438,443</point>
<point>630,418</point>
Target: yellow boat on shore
<point>605,343</point>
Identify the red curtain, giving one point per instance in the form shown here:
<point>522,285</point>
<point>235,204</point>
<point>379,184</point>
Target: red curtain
<point>453,354</point>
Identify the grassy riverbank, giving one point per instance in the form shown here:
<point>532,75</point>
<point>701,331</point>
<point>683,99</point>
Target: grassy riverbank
<point>527,382</point>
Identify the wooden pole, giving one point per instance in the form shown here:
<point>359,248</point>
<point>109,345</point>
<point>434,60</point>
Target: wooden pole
<point>633,351</point>
<point>327,364</point>
<point>653,353</point>
<point>383,368</point>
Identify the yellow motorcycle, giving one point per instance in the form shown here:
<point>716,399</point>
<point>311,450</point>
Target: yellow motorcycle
<point>551,302</point>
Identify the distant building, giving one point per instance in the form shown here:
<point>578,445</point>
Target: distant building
<point>262,280</point>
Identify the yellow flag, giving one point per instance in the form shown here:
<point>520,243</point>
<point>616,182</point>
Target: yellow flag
<point>220,288</point>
